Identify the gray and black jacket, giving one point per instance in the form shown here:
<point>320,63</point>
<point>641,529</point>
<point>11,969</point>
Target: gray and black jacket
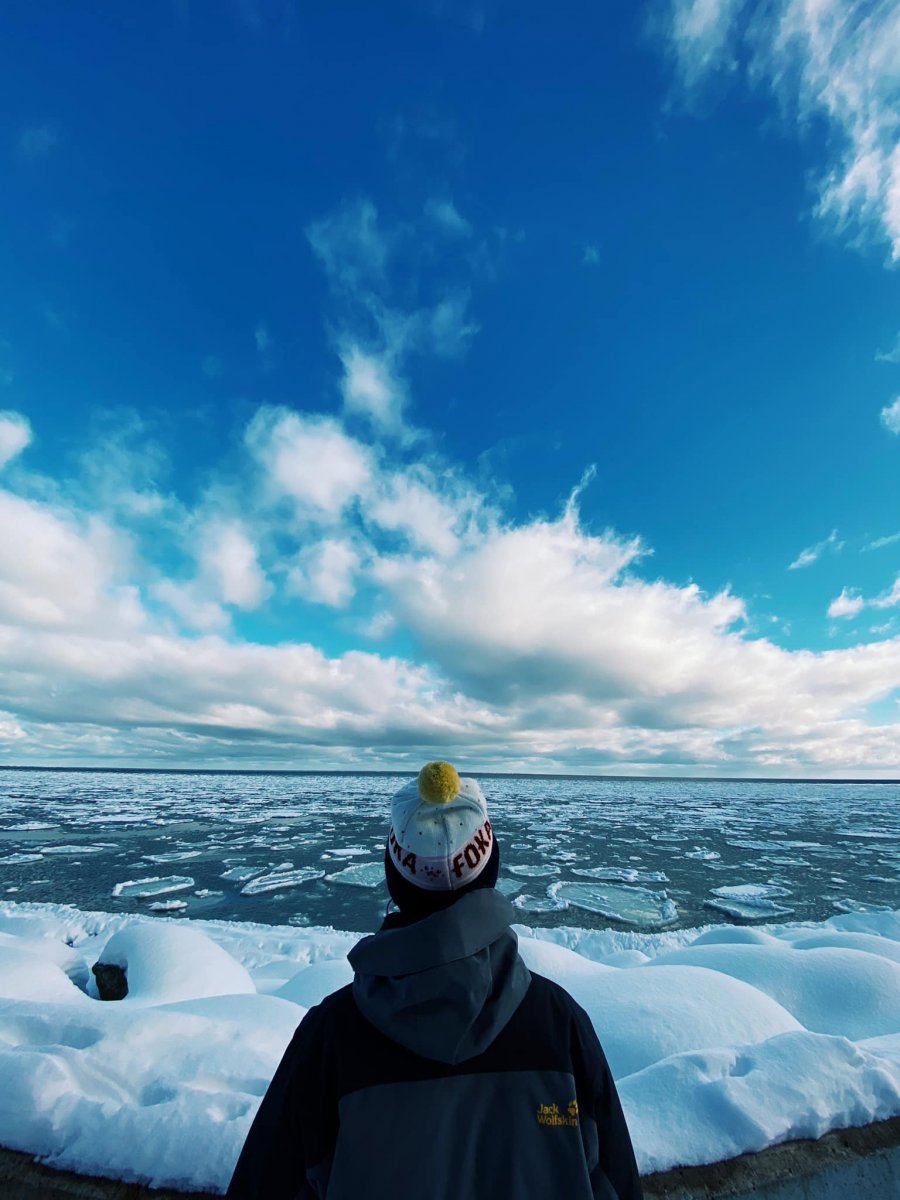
<point>446,1070</point>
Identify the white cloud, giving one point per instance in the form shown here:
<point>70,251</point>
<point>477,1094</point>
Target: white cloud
<point>590,256</point>
<point>368,267</point>
<point>192,608</point>
<point>824,59</point>
<point>10,729</point>
<point>310,459</point>
<point>846,604</point>
<point>879,543</point>
<point>371,388</point>
<point>122,469</point>
<point>379,625</point>
<point>191,696</point>
<point>890,416</point>
<point>352,248</point>
<point>57,571</point>
<point>886,627</point>
<point>703,33</point>
<point>445,215</point>
<point>888,599</point>
<point>410,503</point>
<point>448,328</point>
<point>15,435</point>
<point>892,355</point>
<point>325,572</point>
<point>523,605</point>
<point>228,557</point>
<point>547,646</point>
<point>546,623</point>
<point>812,553</point>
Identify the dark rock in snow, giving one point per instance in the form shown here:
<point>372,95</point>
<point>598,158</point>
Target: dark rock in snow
<point>112,983</point>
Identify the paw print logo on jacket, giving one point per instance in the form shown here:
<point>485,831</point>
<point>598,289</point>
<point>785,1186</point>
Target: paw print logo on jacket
<point>573,1108</point>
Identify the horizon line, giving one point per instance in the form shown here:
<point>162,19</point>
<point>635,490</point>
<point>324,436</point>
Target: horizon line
<point>413,771</point>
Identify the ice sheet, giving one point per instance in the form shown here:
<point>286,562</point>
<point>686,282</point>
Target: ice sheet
<point>631,905</point>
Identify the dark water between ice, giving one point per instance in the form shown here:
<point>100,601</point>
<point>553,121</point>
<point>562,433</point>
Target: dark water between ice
<point>598,847</point>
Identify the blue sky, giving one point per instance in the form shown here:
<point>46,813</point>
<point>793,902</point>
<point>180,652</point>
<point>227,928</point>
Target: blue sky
<point>379,382</point>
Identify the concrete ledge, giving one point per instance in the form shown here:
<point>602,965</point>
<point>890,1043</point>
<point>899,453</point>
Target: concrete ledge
<point>847,1164</point>
<point>21,1178</point>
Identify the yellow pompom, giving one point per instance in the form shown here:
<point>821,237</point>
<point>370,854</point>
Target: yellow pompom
<point>438,783</point>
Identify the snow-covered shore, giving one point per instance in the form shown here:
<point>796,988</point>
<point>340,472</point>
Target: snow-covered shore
<point>722,1039</point>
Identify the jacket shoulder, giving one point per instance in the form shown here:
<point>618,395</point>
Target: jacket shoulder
<point>550,1006</point>
<point>331,1017</point>
<point>554,995</point>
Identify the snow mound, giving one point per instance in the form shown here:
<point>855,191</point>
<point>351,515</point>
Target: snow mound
<point>145,1095</point>
<point>642,1016</point>
<point>311,985</point>
<point>165,963</point>
<point>733,935</point>
<point>25,975</point>
<point>851,941</point>
<point>557,962</point>
<point>829,990</point>
<point>67,959</point>
<point>727,1101</point>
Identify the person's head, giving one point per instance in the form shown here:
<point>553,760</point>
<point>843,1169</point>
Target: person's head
<point>441,844</point>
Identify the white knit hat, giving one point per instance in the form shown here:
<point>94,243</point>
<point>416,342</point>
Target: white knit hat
<point>440,837</point>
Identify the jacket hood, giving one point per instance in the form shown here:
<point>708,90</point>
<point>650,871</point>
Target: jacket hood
<point>445,986</point>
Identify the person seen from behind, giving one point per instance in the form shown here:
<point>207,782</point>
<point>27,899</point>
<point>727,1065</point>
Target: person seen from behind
<point>446,1069</point>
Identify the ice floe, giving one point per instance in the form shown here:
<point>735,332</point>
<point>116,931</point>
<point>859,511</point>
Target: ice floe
<point>168,856</point>
<point>750,901</point>
<point>241,874</point>
<point>368,875</point>
<point>281,880</point>
<point>875,834</point>
<point>507,886</point>
<point>848,905</point>
<point>631,905</point>
<point>539,904</point>
<point>155,885</point>
<point>73,849</point>
<point>621,874</point>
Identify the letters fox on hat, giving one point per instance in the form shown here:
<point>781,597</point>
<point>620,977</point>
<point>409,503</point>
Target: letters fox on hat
<point>440,840</point>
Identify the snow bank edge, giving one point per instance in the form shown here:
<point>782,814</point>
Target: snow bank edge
<point>865,1158</point>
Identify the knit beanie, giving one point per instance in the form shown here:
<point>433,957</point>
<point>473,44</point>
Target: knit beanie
<point>441,844</point>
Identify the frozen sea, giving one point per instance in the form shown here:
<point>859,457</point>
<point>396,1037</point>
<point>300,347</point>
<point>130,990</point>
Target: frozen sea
<point>307,849</point>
